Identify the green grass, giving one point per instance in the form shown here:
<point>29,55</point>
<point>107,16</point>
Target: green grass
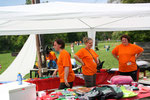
<point>5,60</point>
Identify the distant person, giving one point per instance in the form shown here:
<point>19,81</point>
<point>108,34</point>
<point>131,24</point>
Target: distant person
<point>77,42</point>
<point>127,53</point>
<point>72,48</point>
<point>73,62</point>
<point>107,48</point>
<point>65,71</point>
<point>80,42</point>
<point>89,60</point>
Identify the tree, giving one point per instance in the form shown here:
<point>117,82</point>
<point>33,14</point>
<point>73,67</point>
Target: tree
<point>136,36</point>
<point>135,1</point>
<point>12,43</point>
<point>116,35</point>
<point>28,2</point>
<point>103,35</point>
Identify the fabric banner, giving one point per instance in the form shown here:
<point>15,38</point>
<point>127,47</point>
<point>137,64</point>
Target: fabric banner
<point>23,62</point>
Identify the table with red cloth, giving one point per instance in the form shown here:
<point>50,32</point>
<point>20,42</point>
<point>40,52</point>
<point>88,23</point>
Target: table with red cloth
<point>53,83</point>
<point>139,96</point>
<point>102,78</point>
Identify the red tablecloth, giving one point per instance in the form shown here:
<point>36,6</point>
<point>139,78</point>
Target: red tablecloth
<point>45,84</point>
<point>139,96</point>
<point>102,77</point>
<point>53,83</point>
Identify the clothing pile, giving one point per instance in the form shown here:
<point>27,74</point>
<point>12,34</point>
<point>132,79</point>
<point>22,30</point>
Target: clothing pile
<point>93,93</point>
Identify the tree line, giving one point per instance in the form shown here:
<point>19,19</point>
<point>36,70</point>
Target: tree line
<point>15,43</point>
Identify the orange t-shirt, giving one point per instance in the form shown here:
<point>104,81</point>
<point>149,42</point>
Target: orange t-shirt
<point>51,56</point>
<point>90,65</point>
<point>36,63</point>
<point>127,54</point>
<point>64,60</point>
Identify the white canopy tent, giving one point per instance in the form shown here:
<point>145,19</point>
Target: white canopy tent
<point>61,17</point>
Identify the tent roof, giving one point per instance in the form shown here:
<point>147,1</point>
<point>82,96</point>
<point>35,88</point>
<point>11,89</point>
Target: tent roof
<point>60,17</point>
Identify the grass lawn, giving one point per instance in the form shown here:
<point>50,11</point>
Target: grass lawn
<point>5,60</point>
<point>110,62</point>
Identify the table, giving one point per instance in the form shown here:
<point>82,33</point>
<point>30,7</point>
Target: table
<point>43,70</point>
<point>102,78</point>
<point>13,91</point>
<point>139,96</point>
<point>53,83</point>
<point>48,71</point>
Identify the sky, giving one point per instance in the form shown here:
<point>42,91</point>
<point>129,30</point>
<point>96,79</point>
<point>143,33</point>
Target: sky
<point>22,2</point>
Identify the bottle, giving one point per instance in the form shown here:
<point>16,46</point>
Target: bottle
<point>19,79</point>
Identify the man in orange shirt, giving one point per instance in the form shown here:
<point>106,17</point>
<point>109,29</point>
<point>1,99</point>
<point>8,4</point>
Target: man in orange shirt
<point>127,53</point>
<point>65,71</point>
<point>89,60</point>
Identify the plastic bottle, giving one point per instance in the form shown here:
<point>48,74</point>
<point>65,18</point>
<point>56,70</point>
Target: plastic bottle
<point>19,79</point>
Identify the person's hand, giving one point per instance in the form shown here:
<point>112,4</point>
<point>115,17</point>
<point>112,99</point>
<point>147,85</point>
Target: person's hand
<point>83,64</point>
<point>67,84</point>
<point>54,74</point>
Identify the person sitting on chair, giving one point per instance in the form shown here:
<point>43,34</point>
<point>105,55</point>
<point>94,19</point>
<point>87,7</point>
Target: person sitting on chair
<point>51,59</point>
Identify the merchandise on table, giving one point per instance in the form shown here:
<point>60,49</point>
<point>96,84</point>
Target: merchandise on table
<point>98,93</point>
<point>121,80</point>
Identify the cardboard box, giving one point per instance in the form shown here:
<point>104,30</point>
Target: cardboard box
<point>13,91</point>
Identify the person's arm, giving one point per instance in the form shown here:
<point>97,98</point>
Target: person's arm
<point>138,55</point>
<point>54,73</point>
<point>97,60</point>
<point>116,56</point>
<point>79,60</point>
<point>66,76</point>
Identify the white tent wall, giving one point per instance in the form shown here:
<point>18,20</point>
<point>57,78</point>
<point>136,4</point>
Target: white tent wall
<point>60,17</point>
<point>91,34</point>
<point>23,63</point>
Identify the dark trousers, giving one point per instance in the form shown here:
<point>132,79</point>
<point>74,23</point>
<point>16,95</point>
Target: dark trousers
<point>63,85</point>
<point>90,80</point>
<point>133,74</point>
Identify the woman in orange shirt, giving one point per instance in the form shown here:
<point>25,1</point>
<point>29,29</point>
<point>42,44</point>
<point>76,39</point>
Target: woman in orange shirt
<point>127,53</point>
<point>89,60</point>
<point>65,71</point>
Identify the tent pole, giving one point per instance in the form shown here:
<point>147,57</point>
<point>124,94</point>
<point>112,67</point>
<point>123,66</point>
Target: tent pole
<point>38,47</point>
<point>91,34</point>
<point>38,55</point>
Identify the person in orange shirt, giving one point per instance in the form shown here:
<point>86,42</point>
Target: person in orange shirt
<point>65,71</point>
<point>50,55</point>
<point>89,60</point>
<point>127,53</point>
<point>51,59</point>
